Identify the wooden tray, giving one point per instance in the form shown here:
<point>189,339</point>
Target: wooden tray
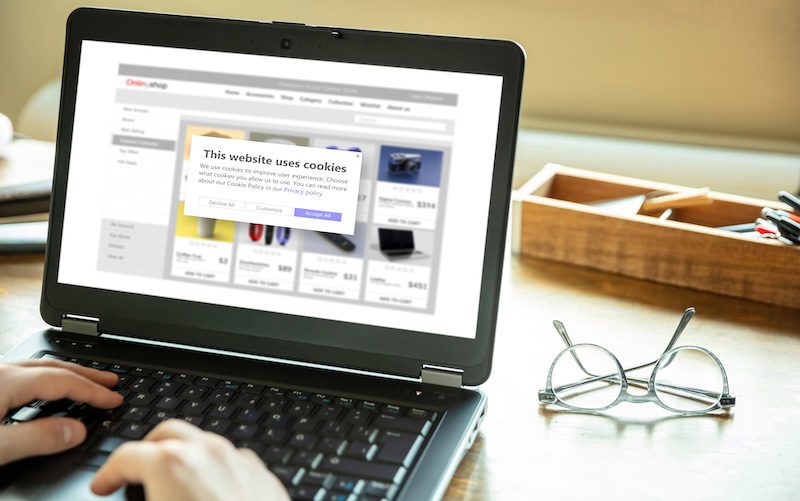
<point>552,221</point>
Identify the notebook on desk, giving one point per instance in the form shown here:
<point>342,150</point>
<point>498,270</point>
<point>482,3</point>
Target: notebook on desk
<point>350,374</point>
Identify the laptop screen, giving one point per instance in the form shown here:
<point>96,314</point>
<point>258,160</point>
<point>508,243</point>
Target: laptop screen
<point>265,183</point>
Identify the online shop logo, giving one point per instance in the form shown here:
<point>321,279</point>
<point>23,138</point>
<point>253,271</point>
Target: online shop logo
<point>135,82</point>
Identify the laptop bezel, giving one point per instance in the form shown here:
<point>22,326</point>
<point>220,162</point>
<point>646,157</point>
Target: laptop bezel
<point>342,344</point>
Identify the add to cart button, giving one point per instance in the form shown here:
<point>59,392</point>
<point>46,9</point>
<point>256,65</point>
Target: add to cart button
<point>318,214</point>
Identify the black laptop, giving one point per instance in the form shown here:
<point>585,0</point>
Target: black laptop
<point>351,376</point>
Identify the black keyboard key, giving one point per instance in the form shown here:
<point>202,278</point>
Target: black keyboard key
<point>302,409</point>
<point>318,479</point>
<point>395,410</point>
<point>109,444</point>
<point>107,427</point>
<point>305,424</point>
<point>195,420</point>
<point>347,485</point>
<point>298,395</point>
<point>322,398</point>
<point>135,414</point>
<point>332,446</point>
<point>222,411</point>
<point>119,368</point>
<point>274,391</point>
<point>273,405</point>
<point>142,400</point>
<point>399,448</point>
<point>243,431</point>
<point>206,381</point>
<point>390,422</point>
<point>221,396</point>
<point>227,384</point>
<point>183,378</point>
<point>303,441</point>
<point>168,388</point>
<point>160,416</point>
<point>168,403</point>
<point>363,434</point>
<point>421,414</point>
<point>124,380</point>
<point>288,475</point>
<point>329,413</point>
<point>248,416</point>
<point>345,402</point>
<point>252,388</point>
<point>369,406</point>
<point>364,469</point>
<point>140,372</point>
<point>194,408</point>
<point>334,429</point>
<point>216,425</point>
<point>101,366</point>
<point>195,394</point>
<point>306,493</point>
<point>141,384</point>
<point>381,490</point>
<point>277,419</point>
<point>358,417</point>
<point>361,450</point>
<point>134,431</point>
<point>256,447</point>
<point>307,459</point>
<point>275,455</point>
<point>248,401</point>
<point>162,375</point>
<point>274,436</point>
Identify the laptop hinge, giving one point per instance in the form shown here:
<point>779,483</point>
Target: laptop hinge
<point>441,376</point>
<point>79,324</point>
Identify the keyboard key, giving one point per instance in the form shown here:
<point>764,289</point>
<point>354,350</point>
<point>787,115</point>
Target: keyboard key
<point>135,414</point>
<point>101,366</point>
<point>390,422</point>
<point>382,490</point>
<point>306,493</point>
<point>329,413</point>
<point>221,396</point>
<point>109,444</point>
<point>358,417</point>
<point>140,372</point>
<point>361,450</point>
<point>302,409</point>
<point>322,398</point>
<point>318,479</point>
<point>252,388</point>
<point>141,384</point>
<point>162,375</point>
<point>206,381</point>
<point>356,468</point>
<point>227,384</point>
<point>274,405</point>
<point>277,419</point>
<point>305,424</point>
<point>183,378</point>
<point>256,447</point>
<point>288,475</point>
<point>142,400</point>
<point>332,446</point>
<point>160,417</point>
<point>168,403</point>
<point>244,431</point>
<point>399,448</point>
<point>194,408</point>
<point>195,420</point>
<point>302,440</point>
<point>275,455</point>
<point>168,389</point>
<point>134,431</point>
<point>370,406</point>
<point>248,401</point>
<point>216,425</point>
<point>393,409</point>
<point>348,485</point>
<point>119,369</point>
<point>195,394</point>
<point>421,414</point>
<point>107,427</point>
<point>344,402</point>
<point>363,434</point>
<point>334,429</point>
<point>307,459</point>
<point>222,411</point>
<point>298,395</point>
<point>248,416</point>
<point>274,391</point>
<point>274,436</point>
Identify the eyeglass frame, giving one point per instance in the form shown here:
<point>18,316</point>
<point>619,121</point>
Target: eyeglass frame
<point>724,400</point>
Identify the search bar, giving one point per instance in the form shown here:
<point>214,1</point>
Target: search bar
<point>401,122</point>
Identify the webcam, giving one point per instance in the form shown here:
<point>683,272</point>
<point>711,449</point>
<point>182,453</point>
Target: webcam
<point>286,43</point>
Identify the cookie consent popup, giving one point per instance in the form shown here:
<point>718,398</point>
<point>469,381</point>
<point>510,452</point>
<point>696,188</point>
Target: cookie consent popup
<point>276,184</point>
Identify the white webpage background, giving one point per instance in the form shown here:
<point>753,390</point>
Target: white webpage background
<point>468,190</point>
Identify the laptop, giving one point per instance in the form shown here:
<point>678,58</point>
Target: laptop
<point>350,376</point>
<point>397,244</point>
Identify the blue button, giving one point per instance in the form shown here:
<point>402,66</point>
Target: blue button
<point>318,214</point>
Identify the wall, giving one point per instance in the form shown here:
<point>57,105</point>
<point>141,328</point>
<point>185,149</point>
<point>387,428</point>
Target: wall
<point>723,71</point>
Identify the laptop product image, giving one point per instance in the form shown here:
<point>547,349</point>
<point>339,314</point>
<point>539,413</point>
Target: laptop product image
<point>350,376</point>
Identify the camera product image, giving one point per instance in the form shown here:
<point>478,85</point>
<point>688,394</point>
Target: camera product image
<point>404,164</point>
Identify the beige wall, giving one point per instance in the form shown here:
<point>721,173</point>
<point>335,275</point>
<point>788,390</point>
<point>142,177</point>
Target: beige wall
<point>698,67</point>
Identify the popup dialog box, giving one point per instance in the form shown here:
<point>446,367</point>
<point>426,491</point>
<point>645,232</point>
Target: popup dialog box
<point>276,184</point>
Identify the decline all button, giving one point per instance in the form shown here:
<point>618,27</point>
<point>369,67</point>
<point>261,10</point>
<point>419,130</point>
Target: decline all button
<point>318,214</point>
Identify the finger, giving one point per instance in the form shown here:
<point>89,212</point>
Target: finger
<point>39,437</point>
<point>101,377</point>
<point>53,383</point>
<point>175,429</point>
<point>127,465</point>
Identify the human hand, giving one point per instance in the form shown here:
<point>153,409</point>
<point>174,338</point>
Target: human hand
<point>24,382</point>
<point>177,461</point>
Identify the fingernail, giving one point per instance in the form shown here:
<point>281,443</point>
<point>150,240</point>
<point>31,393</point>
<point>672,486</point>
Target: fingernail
<point>67,433</point>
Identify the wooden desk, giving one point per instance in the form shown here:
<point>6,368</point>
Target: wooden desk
<point>639,452</point>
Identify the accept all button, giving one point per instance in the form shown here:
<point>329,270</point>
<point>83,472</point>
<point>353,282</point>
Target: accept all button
<point>318,214</point>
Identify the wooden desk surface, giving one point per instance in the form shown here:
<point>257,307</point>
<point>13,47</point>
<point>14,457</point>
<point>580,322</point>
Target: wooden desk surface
<point>639,452</point>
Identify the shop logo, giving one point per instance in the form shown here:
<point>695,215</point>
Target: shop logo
<point>135,82</point>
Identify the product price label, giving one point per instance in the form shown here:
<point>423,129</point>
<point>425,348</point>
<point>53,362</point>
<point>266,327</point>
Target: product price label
<point>201,260</point>
<point>398,284</point>
<point>406,205</point>
<point>326,275</point>
<point>258,266</point>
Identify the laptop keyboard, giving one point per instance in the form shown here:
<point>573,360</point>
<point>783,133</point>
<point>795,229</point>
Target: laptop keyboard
<point>321,447</point>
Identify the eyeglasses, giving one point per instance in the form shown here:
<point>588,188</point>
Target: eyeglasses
<point>685,379</point>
